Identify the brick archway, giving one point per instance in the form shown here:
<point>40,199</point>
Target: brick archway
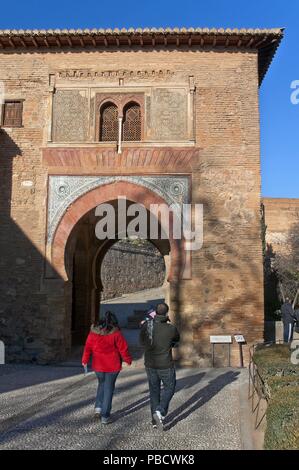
<point>104,194</point>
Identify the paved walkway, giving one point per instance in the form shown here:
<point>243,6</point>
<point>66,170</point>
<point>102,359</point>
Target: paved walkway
<point>46,407</point>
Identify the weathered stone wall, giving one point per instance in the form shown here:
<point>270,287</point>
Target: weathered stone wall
<point>280,217</point>
<point>225,293</point>
<point>126,269</point>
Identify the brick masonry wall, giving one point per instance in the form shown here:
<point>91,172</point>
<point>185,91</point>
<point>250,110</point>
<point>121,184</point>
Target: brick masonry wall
<point>225,294</point>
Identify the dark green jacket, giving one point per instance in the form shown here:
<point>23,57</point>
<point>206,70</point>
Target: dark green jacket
<point>158,352</point>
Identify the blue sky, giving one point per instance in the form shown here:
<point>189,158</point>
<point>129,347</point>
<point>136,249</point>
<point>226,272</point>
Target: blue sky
<point>279,118</point>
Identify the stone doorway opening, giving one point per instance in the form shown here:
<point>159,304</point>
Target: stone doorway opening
<point>111,274</point>
<point>76,255</point>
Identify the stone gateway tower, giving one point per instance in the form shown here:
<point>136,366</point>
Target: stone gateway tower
<point>151,115</point>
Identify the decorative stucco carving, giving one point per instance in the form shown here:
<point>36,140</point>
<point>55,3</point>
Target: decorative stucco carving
<point>70,116</point>
<point>65,189</point>
<point>167,110</point>
<point>89,74</point>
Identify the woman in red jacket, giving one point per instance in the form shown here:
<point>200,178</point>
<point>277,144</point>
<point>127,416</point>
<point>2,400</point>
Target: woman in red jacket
<point>108,348</point>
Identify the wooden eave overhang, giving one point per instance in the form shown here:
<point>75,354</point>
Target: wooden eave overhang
<point>265,41</point>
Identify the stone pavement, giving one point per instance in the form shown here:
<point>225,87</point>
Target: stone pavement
<point>51,407</point>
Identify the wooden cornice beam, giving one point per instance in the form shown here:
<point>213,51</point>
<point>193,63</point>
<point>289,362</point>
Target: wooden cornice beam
<point>12,44</point>
<point>260,42</point>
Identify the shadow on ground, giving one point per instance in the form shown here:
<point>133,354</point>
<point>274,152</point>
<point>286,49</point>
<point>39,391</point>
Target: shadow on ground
<point>134,379</point>
<point>32,375</point>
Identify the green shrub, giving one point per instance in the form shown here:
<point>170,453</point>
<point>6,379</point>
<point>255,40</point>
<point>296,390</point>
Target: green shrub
<point>281,379</point>
<point>282,431</point>
<point>275,360</point>
<point>267,354</point>
<point>276,383</point>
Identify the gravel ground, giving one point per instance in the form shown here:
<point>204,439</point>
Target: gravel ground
<point>46,407</point>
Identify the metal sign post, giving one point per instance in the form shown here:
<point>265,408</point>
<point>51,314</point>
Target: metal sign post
<point>240,340</point>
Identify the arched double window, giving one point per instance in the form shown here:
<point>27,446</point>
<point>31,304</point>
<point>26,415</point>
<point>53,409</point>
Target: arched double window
<point>132,122</point>
<point>108,122</point>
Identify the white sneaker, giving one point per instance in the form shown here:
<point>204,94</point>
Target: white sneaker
<point>97,411</point>
<point>158,419</point>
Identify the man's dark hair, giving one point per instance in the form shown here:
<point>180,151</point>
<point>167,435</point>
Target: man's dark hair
<point>162,309</point>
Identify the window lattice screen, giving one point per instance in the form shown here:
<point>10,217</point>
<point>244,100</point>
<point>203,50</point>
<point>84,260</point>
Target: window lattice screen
<point>132,123</point>
<point>109,123</point>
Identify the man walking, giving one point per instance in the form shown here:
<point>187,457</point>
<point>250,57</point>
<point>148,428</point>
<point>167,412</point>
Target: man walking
<point>288,319</point>
<point>158,336</point>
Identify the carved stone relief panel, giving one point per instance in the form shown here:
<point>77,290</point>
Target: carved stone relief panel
<point>70,115</point>
<point>166,114</point>
<point>65,189</point>
<point>117,76</point>
<point>166,109</point>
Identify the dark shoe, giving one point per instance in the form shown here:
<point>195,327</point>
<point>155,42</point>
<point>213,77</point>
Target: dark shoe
<point>158,420</point>
<point>105,420</point>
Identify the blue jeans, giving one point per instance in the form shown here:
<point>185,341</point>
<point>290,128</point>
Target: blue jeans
<point>288,329</point>
<point>105,391</point>
<point>160,399</point>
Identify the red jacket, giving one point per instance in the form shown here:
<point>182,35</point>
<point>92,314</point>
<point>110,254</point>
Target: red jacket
<point>108,349</point>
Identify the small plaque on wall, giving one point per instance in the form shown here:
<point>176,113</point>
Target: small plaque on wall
<point>239,338</point>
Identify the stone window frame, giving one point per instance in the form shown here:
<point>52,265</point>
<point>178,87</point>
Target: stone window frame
<point>120,100</point>
<point>18,101</point>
